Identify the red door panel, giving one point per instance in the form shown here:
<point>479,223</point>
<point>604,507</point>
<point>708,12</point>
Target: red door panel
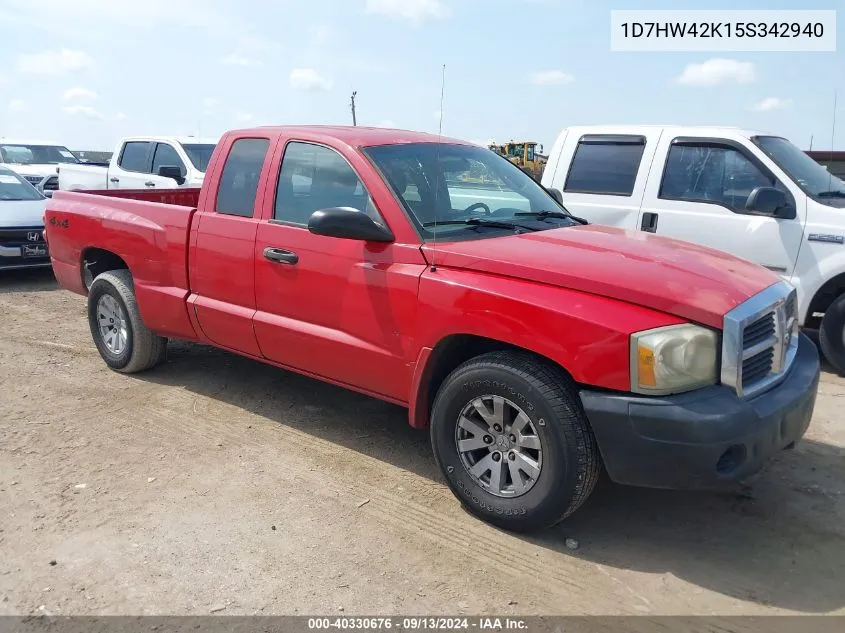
<point>340,310</point>
<point>223,281</point>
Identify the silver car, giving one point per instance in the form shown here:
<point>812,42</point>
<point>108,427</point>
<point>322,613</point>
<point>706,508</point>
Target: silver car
<point>22,243</point>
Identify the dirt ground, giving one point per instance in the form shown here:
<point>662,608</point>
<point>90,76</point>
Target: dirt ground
<point>217,484</point>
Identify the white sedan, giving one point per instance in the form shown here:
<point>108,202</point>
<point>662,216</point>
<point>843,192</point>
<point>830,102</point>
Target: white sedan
<point>22,242</point>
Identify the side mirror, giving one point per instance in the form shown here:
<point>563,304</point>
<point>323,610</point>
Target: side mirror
<point>172,171</point>
<point>769,201</point>
<point>348,223</point>
<point>556,194</point>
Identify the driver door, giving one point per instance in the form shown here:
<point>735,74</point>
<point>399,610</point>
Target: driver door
<point>328,306</point>
<point>699,196</point>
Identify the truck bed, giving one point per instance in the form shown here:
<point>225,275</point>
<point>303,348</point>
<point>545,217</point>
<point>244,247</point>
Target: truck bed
<point>185,196</point>
<point>148,229</point>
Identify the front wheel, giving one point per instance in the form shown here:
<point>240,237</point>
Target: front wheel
<point>832,334</point>
<point>124,342</point>
<point>510,435</point>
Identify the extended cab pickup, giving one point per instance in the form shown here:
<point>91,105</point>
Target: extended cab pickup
<point>534,347</point>
<point>143,162</point>
<point>751,194</point>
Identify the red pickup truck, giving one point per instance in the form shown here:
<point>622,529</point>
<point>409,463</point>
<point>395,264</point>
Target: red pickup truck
<point>435,274</point>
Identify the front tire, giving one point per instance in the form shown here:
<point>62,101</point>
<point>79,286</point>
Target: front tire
<point>124,342</point>
<point>510,435</point>
<point>832,334</point>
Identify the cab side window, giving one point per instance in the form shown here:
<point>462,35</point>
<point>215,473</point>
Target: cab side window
<point>313,177</point>
<point>165,155</point>
<point>605,164</point>
<point>135,157</point>
<point>239,180</point>
<point>711,173</point>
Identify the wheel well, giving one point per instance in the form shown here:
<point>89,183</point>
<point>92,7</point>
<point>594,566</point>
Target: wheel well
<point>445,357</point>
<point>96,261</point>
<point>825,295</point>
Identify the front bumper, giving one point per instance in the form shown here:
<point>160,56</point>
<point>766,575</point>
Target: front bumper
<point>706,438</point>
<point>12,257</point>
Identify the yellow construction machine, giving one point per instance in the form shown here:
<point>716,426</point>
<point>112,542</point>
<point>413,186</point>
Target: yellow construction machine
<point>524,154</point>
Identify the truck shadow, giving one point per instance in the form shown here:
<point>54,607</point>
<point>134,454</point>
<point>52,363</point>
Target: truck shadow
<point>780,543</point>
<point>27,280</point>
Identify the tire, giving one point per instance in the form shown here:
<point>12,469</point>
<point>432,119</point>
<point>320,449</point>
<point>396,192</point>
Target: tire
<point>832,334</point>
<point>139,349</point>
<point>568,460</point>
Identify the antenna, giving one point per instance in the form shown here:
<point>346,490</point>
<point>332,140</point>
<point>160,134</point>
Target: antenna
<point>352,105</point>
<point>832,139</point>
<point>811,142</point>
<point>437,169</point>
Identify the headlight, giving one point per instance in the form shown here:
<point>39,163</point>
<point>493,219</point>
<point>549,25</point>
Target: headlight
<point>673,359</point>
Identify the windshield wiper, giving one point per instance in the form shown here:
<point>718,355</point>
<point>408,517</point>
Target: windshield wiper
<point>474,222</point>
<point>831,194</point>
<point>542,215</point>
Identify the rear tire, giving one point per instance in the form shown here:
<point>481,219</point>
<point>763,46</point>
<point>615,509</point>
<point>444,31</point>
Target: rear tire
<point>124,342</point>
<point>832,334</point>
<point>540,408</point>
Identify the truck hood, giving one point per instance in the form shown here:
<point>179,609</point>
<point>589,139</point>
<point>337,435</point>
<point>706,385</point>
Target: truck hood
<point>33,170</point>
<point>686,280</point>
<point>16,214</point>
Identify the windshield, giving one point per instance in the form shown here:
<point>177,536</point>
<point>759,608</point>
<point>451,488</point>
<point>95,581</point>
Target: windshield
<point>451,183</point>
<point>14,187</point>
<point>814,179</point>
<point>199,154</point>
<point>16,154</point>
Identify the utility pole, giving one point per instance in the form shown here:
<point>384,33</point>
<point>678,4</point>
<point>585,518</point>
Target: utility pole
<point>354,120</point>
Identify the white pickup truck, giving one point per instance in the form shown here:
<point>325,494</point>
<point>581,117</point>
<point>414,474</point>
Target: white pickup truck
<point>143,162</point>
<point>751,194</point>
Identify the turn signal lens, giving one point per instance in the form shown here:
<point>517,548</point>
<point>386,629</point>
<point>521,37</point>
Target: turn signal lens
<point>673,359</point>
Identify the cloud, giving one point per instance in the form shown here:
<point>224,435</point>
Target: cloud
<point>717,71</point>
<point>308,79</point>
<point>551,78</point>
<point>209,102</point>
<point>4,80</point>
<point>235,59</point>
<point>243,117</point>
<point>16,105</point>
<point>412,10</point>
<point>771,103</point>
<point>82,110</point>
<point>78,93</point>
<point>385,123</point>
<point>55,62</point>
<point>120,116</point>
<point>436,114</point>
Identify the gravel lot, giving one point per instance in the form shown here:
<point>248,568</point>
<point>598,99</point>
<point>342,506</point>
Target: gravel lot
<point>217,484</point>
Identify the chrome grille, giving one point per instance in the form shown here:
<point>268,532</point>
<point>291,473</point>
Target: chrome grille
<point>759,331</point>
<point>760,339</point>
<point>34,180</point>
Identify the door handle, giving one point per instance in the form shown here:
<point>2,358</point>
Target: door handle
<point>114,179</point>
<point>280,255</point>
<point>150,183</point>
<point>649,223</point>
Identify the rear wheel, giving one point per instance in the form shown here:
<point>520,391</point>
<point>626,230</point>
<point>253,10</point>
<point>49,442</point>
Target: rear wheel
<point>124,342</point>
<point>511,437</point>
<point>832,334</point>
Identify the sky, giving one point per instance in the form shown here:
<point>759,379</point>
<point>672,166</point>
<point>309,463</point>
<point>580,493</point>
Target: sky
<point>83,73</point>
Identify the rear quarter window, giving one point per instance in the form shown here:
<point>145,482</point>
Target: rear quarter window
<point>239,181</point>
<point>135,156</point>
<point>605,164</point>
